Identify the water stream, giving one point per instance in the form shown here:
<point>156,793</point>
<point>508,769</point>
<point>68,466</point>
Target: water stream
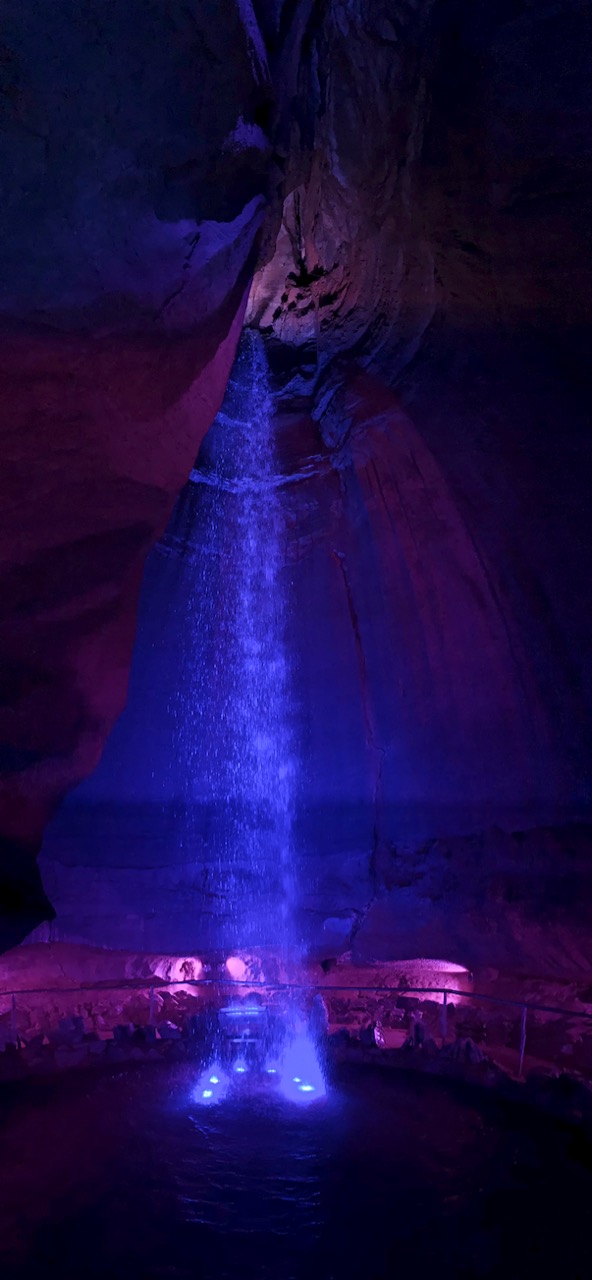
<point>234,702</point>
<point>235,708</point>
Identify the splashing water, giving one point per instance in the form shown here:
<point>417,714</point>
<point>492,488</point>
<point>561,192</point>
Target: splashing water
<point>302,1077</point>
<point>212,1086</point>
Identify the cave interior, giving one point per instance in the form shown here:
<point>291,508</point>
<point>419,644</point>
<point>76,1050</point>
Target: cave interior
<point>366,224</point>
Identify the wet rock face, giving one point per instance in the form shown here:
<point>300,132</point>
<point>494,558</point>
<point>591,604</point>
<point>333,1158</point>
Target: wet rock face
<point>424,731</point>
<point>434,166</point>
<point>438,239</point>
<point>136,178</point>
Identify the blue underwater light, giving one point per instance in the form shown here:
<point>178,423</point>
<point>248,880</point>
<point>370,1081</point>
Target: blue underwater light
<point>296,1075</point>
<point>302,1078</point>
<point>212,1086</point>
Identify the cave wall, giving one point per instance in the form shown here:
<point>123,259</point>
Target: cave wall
<point>136,173</point>
<point>459,277</point>
<point>425,302</point>
<point>438,809</point>
<point>441,164</point>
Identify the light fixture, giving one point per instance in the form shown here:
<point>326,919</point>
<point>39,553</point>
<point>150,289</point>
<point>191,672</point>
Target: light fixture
<point>236,968</point>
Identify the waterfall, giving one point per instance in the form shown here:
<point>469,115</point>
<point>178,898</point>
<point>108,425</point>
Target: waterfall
<point>234,709</point>
<point>234,727</point>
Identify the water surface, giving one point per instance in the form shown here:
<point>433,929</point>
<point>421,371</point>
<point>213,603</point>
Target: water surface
<point>122,1175</point>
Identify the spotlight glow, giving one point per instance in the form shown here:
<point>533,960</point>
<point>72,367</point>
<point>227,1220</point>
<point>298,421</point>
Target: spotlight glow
<point>242,1011</point>
<point>236,968</point>
<point>302,1078</point>
<point>212,1087</point>
<point>298,1076</point>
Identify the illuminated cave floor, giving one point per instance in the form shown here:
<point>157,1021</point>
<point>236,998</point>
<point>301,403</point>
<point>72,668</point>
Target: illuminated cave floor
<point>122,1176</point>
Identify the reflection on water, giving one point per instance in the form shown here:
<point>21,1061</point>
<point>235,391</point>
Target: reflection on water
<point>123,1176</point>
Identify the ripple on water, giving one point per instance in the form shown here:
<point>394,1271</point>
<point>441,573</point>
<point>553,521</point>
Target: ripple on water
<point>123,1176</point>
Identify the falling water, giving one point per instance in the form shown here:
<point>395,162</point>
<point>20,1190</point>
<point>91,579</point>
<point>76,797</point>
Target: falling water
<point>260,760</point>
<point>235,720</point>
<point>234,712</point>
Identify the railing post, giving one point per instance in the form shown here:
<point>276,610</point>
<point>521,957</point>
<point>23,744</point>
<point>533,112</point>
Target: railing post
<point>13,1026</point>
<point>151,1012</point>
<point>445,1018</point>
<point>522,1040</point>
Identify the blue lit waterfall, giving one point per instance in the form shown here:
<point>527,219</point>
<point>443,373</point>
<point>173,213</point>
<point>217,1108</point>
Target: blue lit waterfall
<point>233,711</point>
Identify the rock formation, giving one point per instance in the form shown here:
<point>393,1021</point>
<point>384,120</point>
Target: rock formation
<point>136,174</point>
<point>409,184</point>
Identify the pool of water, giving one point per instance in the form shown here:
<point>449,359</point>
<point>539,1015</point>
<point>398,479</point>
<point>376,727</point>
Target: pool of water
<point>121,1174</point>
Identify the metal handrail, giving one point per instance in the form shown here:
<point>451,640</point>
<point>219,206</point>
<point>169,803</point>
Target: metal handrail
<point>142,984</point>
<point>153,985</point>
